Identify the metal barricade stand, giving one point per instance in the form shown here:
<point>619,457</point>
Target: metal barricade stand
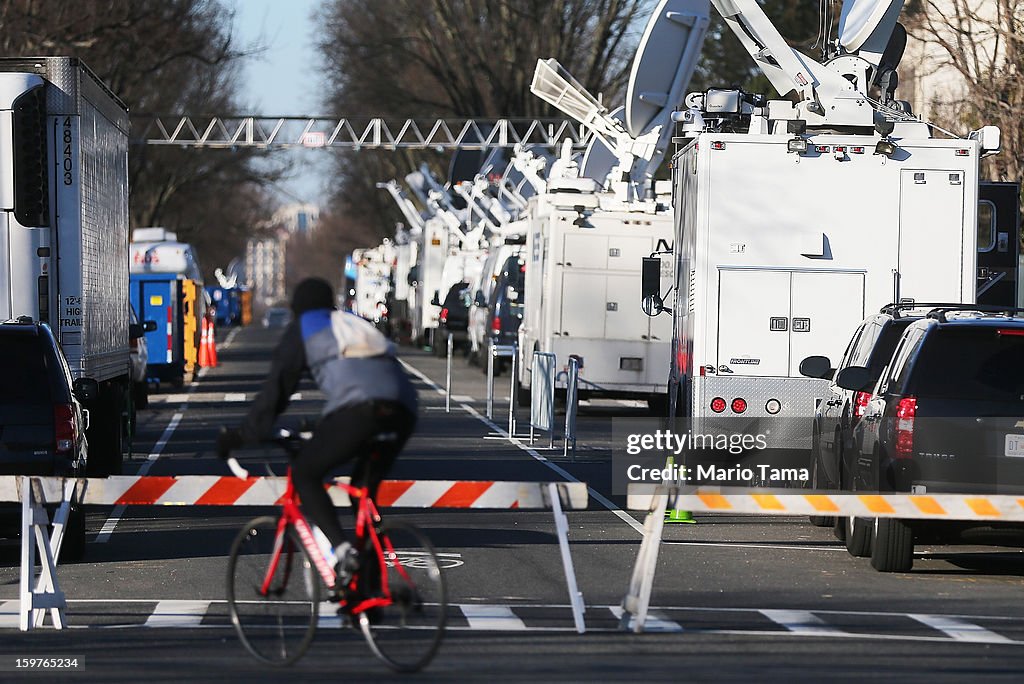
<point>542,395</point>
<point>572,397</point>
<point>503,351</point>
<point>448,377</point>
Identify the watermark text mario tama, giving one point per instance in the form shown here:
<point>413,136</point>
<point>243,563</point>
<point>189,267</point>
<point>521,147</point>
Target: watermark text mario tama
<point>648,451</point>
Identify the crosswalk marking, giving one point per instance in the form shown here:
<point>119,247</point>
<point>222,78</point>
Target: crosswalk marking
<point>9,614</point>
<point>801,622</point>
<point>656,621</point>
<point>178,614</point>
<point>492,617</point>
<point>961,630</point>
<point>234,396</point>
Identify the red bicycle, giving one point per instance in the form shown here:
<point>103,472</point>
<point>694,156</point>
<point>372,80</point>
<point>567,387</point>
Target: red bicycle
<point>277,575</point>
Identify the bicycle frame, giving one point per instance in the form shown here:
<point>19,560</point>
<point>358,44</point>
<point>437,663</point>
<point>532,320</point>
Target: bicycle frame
<point>367,517</point>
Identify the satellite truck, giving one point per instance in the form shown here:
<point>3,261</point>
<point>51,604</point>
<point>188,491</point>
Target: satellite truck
<point>596,219</point>
<point>794,219</point>
<point>64,232</point>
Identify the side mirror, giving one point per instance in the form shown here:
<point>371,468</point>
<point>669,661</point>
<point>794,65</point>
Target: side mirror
<point>479,299</point>
<point>149,326</point>
<point>86,390</point>
<point>653,305</point>
<point>650,277</point>
<point>436,301</point>
<point>135,331</point>
<point>856,378</point>
<point>817,367</point>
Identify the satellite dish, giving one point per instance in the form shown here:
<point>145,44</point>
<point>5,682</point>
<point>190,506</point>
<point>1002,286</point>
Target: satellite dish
<point>664,62</point>
<point>599,159</point>
<point>868,24</point>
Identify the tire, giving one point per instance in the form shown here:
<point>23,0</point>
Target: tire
<point>657,405</point>
<point>818,482</point>
<point>858,537</point>
<point>406,633</point>
<point>893,547</point>
<point>276,629</point>
<point>106,436</point>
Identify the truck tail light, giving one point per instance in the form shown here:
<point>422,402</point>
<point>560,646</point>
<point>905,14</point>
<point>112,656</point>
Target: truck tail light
<point>739,405</point>
<point>444,315</point>
<point>496,325</point>
<point>1013,332</point>
<point>65,427</point>
<point>860,403</point>
<point>906,412</point>
<point>718,404</point>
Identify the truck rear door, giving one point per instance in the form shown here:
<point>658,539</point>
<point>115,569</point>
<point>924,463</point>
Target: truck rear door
<point>931,259</point>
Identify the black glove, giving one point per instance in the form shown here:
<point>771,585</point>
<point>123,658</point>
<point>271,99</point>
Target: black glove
<point>228,439</point>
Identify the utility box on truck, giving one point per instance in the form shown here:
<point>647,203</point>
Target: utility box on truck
<point>64,231</point>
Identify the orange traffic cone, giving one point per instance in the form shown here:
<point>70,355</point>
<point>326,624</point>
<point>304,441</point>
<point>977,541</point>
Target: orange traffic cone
<point>211,351</point>
<point>204,340</point>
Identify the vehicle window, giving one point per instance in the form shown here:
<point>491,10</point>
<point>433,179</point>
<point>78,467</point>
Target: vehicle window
<point>900,358</point>
<point>865,344</point>
<point>882,350</point>
<point>24,368</point>
<point>971,363</point>
<point>986,226</point>
<point>850,348</point>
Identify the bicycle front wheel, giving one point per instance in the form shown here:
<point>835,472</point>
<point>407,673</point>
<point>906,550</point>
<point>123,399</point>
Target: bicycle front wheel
<point>273,592</point>
<point>405,632</point>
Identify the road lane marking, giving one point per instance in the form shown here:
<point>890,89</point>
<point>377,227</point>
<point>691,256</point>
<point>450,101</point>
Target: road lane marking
<point>175,613</point>
<point>461,397</point>
<point>755,545</point>
<point>495,618</point>
<point>961,630</point>
<point>9,614</point>
<point>234,396</point>
<point>656,621</point>
<point>115,515</point>
<point>802,622</point>
<point>230,338</point>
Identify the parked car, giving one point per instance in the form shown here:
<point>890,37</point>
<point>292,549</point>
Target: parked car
<point>453,319</point>
<point>277,317</point>
<point>42,423</point>
<point>944,416</point>
<point>505,312</point>
<point>139,357</point>
<point>840,409</point>
<point>483,288</point>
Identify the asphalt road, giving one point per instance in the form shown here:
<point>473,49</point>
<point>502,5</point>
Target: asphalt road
<point>736,598</point>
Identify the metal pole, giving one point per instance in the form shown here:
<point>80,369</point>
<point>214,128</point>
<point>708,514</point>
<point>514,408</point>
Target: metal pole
<point>571,406</point>
<point>490,382</point>
<point>513,385</point>
<point>551,404</point>
<point>448,383</point>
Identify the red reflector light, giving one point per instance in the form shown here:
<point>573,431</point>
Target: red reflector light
<point>822,149</point>
<point>444,315</point>
<point>718,404</point>
<point>718,145</point>
<point>496,325</point>
<point>1014,332</point>
<point>857,149</point>
<point>840,148</point>
<point>963,153</point>
<point>860,402</point>
<point>906,411</point>
<point>739,405</point>
<point>65,429</point>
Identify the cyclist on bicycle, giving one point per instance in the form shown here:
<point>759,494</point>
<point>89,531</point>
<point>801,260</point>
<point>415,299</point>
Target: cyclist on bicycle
<point>369,399</point>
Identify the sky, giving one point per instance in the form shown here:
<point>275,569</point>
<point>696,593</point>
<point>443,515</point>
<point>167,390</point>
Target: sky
<point>284,79</point>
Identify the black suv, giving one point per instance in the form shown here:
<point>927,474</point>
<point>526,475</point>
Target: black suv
<point>946,415</point>
<point>840,409</point>
<point>454,318</point>
<point>42,424</point>
<point>505,311</point>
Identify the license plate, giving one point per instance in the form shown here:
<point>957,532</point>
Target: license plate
<point>1014,445</point>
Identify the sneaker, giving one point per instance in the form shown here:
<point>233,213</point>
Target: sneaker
<point>346,565</point>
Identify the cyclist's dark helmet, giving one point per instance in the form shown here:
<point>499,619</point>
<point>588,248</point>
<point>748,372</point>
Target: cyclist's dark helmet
<point>312,293</point>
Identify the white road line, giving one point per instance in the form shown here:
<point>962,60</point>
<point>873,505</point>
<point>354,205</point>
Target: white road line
<point>230,338</point>
<point>801,622</point>
<point>753,545</point>
<point>961,630</point>
<point>175,613</point>
<point>234,396</point>
<point>295,397</point>
<point>656,621</point>
<point>115,515</point>
<point>497,618</point>
<point>625,517</point>
<point>9,613</point>
<point>461,397</point>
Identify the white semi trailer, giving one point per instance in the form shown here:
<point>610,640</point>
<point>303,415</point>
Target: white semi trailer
<point>792,222</point>
<point>64,231</point>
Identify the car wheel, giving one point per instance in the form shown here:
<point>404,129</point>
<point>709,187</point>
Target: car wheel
<point>657,405</point>
<point>858,537</point>
<point>893,547</point>
<point>818,482</point>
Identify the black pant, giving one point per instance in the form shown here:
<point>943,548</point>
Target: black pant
<point>347,434</point>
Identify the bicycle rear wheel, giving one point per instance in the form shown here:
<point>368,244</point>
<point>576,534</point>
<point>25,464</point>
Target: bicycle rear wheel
<point>407,632</point>
<point>276,626</point>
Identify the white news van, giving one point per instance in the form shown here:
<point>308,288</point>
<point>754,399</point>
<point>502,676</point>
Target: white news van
<point>805,218</point>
